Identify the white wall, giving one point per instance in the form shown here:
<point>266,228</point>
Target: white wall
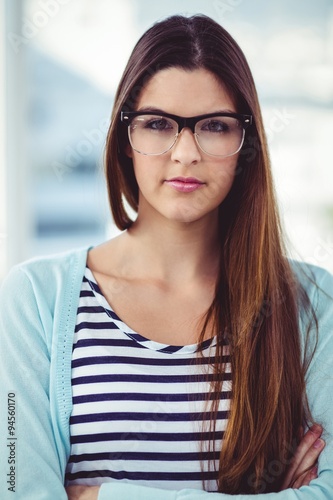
<point>3,228</point>
<point>15,207</point>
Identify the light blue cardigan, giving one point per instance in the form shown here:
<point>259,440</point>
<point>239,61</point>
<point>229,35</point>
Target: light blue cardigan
<point>38,305</point>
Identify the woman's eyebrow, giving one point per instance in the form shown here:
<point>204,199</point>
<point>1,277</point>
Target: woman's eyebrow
<point>151,109</point>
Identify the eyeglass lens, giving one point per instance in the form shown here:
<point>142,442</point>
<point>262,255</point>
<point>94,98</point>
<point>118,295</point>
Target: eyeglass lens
<point>219,136</point>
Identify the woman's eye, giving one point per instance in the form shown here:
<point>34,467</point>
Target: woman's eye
<point>215,126</point>
<point>160,124</point>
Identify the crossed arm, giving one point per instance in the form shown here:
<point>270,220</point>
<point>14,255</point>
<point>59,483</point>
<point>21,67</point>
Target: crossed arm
<point>301,471</point>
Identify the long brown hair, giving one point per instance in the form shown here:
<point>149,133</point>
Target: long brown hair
<point>257,299</point>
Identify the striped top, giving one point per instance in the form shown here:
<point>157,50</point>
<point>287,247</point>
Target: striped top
<point>139,405</point>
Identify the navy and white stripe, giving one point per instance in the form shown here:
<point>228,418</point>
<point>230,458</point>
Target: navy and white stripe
<point>138,405</point>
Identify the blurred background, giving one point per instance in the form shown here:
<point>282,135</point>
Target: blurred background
<point>60,63</point>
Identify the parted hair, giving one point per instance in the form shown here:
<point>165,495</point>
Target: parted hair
<point>257,298</point>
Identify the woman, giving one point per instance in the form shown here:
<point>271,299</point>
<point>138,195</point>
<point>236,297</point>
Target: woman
<point>186,355</point>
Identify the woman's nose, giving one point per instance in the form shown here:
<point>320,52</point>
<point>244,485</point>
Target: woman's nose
<point>186,150</point>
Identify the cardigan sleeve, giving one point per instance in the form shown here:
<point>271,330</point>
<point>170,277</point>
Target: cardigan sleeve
<point>320,395</point>
<point>30,460</point>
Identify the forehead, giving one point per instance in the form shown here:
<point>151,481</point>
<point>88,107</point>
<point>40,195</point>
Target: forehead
<point>186,93</point>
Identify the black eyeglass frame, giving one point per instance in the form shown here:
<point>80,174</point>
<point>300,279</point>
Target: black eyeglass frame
<point>182,122</point>
<point>190,122</point>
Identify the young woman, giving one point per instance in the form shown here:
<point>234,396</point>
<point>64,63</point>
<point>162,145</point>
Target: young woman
<point>186,356</point>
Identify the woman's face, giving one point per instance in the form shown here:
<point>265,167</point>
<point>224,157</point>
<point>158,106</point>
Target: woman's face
<point>184,184</point>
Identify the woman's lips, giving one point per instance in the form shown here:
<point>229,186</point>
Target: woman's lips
<point>185,184</point>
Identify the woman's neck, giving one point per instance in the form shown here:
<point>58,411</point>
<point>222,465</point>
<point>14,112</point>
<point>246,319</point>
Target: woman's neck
<point>175,251</point>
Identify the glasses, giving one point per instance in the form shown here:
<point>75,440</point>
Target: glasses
<point>217,134</point>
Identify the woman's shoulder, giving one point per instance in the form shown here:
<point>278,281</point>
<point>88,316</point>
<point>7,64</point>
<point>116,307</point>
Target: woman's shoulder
<point>312,277</point>
<point>52,263</point>
<point>317,283</point>
<point>45,276</point>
